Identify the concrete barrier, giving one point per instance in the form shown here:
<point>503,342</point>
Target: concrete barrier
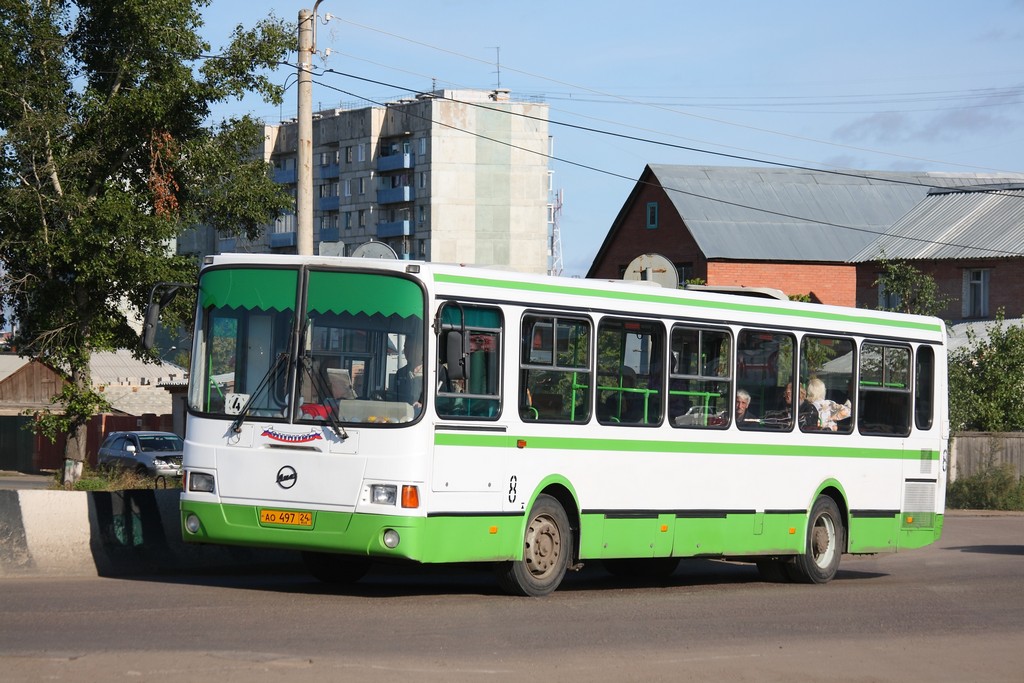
<point>119,533</point>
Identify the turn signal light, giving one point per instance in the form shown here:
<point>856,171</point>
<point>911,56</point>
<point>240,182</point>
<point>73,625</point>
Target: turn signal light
<point>410,496</point>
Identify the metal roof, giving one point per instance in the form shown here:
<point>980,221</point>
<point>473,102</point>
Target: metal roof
<point>121,367</point>
<point>956,225</point>
<point>782,214</point>
<point>959,336</point>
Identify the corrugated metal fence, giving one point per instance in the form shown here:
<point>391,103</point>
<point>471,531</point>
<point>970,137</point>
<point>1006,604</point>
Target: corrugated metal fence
<point>974,451</point>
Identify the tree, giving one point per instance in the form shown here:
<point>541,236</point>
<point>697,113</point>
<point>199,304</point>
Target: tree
<point>986,380</point>
<point>909,290</point>
<point>106,158</point>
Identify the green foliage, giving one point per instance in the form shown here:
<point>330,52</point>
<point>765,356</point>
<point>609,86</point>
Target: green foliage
<point>74,403</point>
<point>806,298</point>
<point>913,291</point>
<point>103,479</point>
<point>107,158</point>
<point>986,380</point>
<point>997,487</point>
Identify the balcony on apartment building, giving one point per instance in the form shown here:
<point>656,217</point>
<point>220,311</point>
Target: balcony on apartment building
<point>396,195</point>
<point>394,229</point>
<point>327,203</point>
<point>331,170</point>
<point>395,162</point>
<point>284,176</point>
<point>282,239</point>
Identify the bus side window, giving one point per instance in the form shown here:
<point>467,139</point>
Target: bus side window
<point>884,390</point>
<point>700,381</point>
<point>924,388</point>
<point>554,369</point>
<point>824,401</point>
<point>476,396</point>
<point>630,371</point>
<point>764,364</point>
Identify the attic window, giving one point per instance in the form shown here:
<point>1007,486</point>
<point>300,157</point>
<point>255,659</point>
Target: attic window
<point>652,215</point>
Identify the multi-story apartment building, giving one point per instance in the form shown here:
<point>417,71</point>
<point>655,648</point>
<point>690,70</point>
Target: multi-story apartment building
<point>456,176</point>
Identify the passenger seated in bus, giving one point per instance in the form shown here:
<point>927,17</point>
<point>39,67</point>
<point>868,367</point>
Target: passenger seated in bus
<point>743,412</point>
<point>829,412</point>
<point>785,414</point>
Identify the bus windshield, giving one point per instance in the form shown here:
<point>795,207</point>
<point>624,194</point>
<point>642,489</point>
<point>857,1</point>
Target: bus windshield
<point>353,354</point>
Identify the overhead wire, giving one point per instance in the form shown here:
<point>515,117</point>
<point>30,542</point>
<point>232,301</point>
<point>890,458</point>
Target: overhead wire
<point>720,200</point>
<point>588,129</point>
<point>629,100</point>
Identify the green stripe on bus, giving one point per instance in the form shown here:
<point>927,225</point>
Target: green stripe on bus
<point>694,303</point>
<point>490,536</point>
<point>662,446</point>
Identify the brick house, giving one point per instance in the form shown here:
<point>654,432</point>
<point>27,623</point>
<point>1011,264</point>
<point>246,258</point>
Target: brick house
<point>800,230</point>
<point>971,241</point>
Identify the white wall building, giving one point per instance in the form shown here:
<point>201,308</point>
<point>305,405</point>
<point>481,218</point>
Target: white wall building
<point>455,176</point>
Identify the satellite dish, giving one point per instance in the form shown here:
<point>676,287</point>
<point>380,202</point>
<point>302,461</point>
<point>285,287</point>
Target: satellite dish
<point>374,250</point>
<point>653,268</point>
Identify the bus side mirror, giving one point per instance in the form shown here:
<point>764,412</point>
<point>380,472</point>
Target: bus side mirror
<point>455,355</point>
<point>149,326</point>
<point>153,310</point>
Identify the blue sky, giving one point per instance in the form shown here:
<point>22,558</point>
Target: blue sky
<point>872,85</point>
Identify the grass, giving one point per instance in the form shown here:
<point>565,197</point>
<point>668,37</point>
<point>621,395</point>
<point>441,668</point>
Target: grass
<point>105,479</point>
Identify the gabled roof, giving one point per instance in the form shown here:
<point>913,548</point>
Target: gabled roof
<point>977,222</point>
<point>783,214</point>
<point>10,363</point>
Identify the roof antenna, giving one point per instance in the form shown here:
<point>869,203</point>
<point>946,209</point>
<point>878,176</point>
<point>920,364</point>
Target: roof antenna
<point>497,57</point>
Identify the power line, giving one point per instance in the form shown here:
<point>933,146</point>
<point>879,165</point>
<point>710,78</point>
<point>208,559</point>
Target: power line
<point>696,195</point>
<point>629,100</point>
<point>633,138</point>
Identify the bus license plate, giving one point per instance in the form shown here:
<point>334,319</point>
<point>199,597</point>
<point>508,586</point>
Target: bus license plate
<point>286,517</point>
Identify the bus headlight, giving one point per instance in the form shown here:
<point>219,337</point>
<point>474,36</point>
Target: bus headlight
<point>192,524</point>
<point>383,494</point>
<point>391,538</point>
<point>200,482</point>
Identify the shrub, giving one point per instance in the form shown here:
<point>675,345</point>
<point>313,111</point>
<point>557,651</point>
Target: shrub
<point>996,487</point>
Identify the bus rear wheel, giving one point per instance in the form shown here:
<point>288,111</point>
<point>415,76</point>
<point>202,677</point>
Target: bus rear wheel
<point>547,549</point>
<point>335,569</point>
<point>824,544</point>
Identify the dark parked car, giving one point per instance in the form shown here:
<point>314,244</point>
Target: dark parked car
<point>154,454</point>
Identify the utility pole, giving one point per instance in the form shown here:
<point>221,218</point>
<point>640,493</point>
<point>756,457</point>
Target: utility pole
<point>304,161</point>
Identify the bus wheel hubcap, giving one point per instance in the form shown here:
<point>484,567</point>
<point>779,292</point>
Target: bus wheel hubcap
<point>543,545</point>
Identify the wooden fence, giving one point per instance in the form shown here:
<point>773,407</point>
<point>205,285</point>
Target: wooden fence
<point>974,451</point>
<point>23,451</point>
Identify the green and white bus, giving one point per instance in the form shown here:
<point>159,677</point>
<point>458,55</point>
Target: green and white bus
<point>363,410</point>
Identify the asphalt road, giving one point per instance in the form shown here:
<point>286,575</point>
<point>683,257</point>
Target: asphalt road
<point>17,480</point>
<point>950,612</point>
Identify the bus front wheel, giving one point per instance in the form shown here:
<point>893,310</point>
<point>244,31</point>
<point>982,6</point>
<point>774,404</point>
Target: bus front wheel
<point>823,546</point>
<point>547,549</point>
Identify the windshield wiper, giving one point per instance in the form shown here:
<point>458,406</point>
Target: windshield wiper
<point>282,359</point>
<point>321,387</point>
